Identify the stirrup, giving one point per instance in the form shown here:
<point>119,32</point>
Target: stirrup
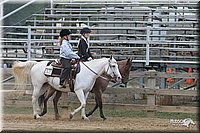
<point>62,86</point>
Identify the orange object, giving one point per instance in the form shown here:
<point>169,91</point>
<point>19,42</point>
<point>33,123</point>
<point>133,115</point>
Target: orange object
<point>170,80</point>
<point>189,80</point>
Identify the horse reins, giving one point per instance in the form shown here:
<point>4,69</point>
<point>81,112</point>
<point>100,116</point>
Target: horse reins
<point>95,72</point>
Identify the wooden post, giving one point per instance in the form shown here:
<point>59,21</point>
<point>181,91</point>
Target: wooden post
<point>151,98</point>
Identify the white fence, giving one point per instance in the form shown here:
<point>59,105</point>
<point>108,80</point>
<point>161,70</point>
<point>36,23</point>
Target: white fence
<point>36,51</point>
<point>156,32</point>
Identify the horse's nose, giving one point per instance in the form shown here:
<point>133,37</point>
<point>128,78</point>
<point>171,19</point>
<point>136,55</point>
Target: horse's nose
<point>119,78</point>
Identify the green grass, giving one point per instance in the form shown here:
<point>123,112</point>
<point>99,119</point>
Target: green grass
<point>175,115</point>
<point>125,113</point>
<point>17,110</point>
<point>107,113</point>
<point>21,110</point>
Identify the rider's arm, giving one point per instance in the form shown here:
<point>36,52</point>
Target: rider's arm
<point>66,51</point>
<point>89,53</point>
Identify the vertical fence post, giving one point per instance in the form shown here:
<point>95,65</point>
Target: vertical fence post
<point>151,98</point>
<point>52,31</point>
<point>51,6</point>
<point>29,43</point>
<point>1,22</point>
<point>147,45</point>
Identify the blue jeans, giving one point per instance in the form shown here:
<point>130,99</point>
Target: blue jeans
<point>66,71</point>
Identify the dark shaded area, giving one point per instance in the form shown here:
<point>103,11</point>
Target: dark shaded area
<point>19,18</point>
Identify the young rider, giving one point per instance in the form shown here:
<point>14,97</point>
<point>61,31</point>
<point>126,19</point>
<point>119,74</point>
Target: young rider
<point>66,55</point>
<point>83,45</point>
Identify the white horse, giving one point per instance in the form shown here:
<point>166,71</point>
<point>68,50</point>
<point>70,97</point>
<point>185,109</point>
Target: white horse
<point>84,81</point>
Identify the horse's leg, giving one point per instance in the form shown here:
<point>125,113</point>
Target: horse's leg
<point>55,103</point>
<point>125,85</point>
<point>50,92</point>
<point>81,97</point>
<point>41,100</point>
<point>83,115</point>
<point>98,97</point>
<point>101,109</point>
<point>35,97</point>
<point>95,107</point>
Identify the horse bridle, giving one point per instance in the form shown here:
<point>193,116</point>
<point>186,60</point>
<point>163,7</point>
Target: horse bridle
<point>111,70</point>
<point>101,75</point>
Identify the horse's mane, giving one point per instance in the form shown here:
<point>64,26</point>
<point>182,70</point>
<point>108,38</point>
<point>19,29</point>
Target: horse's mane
<point>95,60</point>
<point>124,68</point>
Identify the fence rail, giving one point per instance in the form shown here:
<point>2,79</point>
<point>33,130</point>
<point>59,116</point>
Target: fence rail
<point>116,97</point>
<point>139,50</point>
<point>150,107</point>
<point>138,32</point>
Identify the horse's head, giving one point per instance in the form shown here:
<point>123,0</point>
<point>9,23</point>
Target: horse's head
<point>125,68</point>
<point>113,69</point>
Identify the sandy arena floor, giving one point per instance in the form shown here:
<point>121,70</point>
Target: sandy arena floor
<point>47,123</point>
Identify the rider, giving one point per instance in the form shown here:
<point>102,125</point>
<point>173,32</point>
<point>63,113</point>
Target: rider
<point>83,45</point>
<point>66,55</point>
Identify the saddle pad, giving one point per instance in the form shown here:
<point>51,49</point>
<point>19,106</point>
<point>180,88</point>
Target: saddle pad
<point>52,71</point>
<point>78,69</point>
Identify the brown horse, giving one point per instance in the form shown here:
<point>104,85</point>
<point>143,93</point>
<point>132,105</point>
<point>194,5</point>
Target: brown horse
<point>98,88</point>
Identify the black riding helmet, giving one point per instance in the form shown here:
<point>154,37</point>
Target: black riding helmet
<point>65,32</point>
<point>85,30</point>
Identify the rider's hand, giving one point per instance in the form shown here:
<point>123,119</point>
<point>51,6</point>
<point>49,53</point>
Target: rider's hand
<point>89,58</point>
<point>78,58</point>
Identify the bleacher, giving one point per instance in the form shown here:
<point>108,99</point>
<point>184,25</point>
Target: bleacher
<point>148,32</point>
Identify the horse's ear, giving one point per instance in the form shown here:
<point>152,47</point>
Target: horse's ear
<point>129,60</point>
<point>111,57</point>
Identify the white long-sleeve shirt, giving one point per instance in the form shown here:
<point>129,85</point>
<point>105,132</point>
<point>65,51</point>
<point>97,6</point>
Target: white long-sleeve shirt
<point>66,51</point>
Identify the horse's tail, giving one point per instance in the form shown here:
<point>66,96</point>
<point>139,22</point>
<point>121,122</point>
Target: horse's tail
<point>21,72</point>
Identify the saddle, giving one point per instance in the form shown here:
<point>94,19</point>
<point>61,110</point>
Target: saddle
<point>55,68</point>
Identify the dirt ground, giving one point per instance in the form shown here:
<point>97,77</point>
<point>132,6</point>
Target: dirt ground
<point>47,123</point>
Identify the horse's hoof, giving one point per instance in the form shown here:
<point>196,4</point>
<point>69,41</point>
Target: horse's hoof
<point>70,116</point>
<point>85,118</point>
<point>57,117</point>
<point>103,117</point>
<point>37,116</point>
<point>41,114</point>
<point>87,115</point>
